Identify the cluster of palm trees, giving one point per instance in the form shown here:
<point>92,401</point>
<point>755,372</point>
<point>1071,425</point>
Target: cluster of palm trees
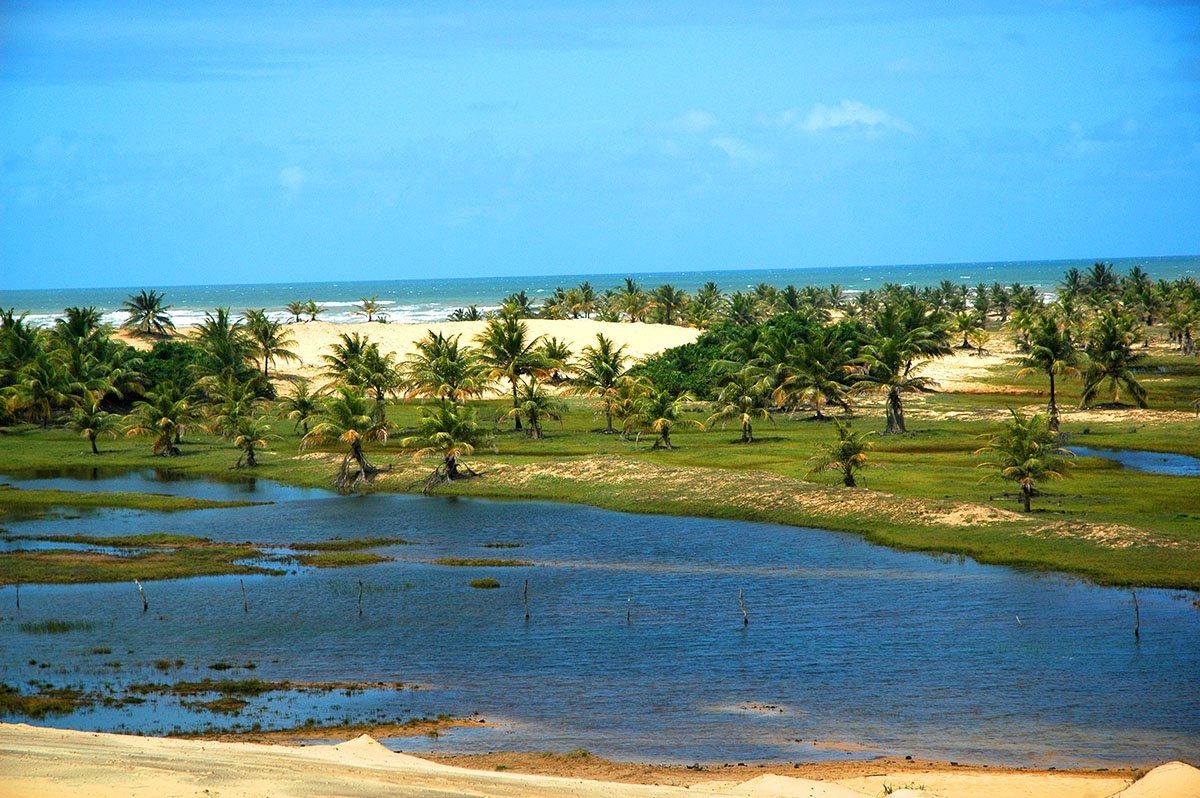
<point>76,373</point>
<point>765,352</point>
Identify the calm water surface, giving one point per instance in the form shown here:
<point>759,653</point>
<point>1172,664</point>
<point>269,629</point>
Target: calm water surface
<point>635,647</point>
<point>1179,465</point>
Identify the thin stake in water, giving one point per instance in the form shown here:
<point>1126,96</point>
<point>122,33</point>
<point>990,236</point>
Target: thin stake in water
<point>1137,617</point>
<point>742,604</point>
<point>245,605</point>
<point>360,592</point>
<point>142,593</point>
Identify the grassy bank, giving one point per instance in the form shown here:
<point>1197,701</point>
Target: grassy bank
<point>922,490</point>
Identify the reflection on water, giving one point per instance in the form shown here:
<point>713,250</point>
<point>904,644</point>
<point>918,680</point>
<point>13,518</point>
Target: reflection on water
<point>635,647</point>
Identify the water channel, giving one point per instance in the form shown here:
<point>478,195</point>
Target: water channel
<point>636,646</point>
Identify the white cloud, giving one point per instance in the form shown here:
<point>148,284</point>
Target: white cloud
<point>846,114</point>
<point>696,121</point>
<point>292,178</point>
<point>739,150</point>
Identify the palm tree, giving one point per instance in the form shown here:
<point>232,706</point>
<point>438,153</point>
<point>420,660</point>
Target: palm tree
<point>509,353</point>
<point>296,308</point>
<point>557,354</point>
<point>348,416</point>
<point>271,339</point>
<point>848,454</point>
<point>344,363</point>
<point>965,323</point>
<point>1048,349</point>
<point>743,397</point>
<point>229,400</point>
<point>163,415</point>
<point>660,410</point>
<point>1100,283</point>
<point>668,303</point>
<point>743,309</point>
<point>249,435</point>
<point>90,421</point>
<point>1111,357</point>
<point>631,301</point>
<point>42,388</point>
<point>469,313</point>
<point>518,305</point>
<point>301,405</point>
<point>627,397</point>
<point>597,373</point>
<point>441,368</point>
<point>313,309</point>
<point>535,404</point>
<point>225,345</point>
<point>370,308</point>
<point>587,299</point>
<point>1025,452</point>
<point>903,338</point>
<point>80,329</point>
<point>451,432</point>
<point>147,314</point>
<point>818,372</point>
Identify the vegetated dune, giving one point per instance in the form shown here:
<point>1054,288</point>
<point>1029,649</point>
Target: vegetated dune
<point>50,763</point>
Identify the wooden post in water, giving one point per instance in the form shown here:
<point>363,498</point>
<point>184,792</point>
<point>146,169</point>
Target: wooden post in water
<point>742,603</point>
<point>18,595</point>
<point>629,609</point>
<point>245,604</point>
<point>142,593</point>
<point>527,599</point>
<point>360,592</point>
<point>1137,617</point>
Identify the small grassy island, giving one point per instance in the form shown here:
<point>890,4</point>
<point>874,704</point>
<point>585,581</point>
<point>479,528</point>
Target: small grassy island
<point>956,408</point>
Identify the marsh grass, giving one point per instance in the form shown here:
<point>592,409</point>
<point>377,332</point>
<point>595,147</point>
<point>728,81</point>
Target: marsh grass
<point>480,562</point>
<point>340,559</point>
<point>60,701</point>
<point>349,545</point>
<point>484,584</point>
<point>55,627</point>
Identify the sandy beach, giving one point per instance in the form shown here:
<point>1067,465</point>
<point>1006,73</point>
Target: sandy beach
<point>311,341</point>
<point>54,763</point>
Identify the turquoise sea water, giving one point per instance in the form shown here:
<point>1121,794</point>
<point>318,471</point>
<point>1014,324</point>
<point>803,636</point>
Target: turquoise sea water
<point>635,647</point>
<point>432,299</point>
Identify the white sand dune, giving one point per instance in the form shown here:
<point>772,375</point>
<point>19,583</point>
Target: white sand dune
<point>55,763</point>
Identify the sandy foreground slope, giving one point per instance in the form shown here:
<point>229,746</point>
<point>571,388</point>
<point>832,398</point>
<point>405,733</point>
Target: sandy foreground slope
<point>49,763</point>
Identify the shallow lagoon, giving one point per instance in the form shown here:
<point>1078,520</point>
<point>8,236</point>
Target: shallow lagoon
<point>1167,463</point>
<point>635,647</point>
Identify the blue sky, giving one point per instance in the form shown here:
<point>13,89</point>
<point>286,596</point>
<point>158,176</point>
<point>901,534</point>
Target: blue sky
<point>263,142</point>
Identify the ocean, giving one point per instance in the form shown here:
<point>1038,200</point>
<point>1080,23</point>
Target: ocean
<point>430,300</point>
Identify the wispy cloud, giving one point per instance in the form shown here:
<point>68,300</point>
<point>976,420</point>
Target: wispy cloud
<point>695,121</point>
<point>292,178</point>
<point>739,150</point>
<point>850,114</point>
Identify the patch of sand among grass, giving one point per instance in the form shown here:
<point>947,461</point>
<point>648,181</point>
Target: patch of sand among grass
<point>755,491</point>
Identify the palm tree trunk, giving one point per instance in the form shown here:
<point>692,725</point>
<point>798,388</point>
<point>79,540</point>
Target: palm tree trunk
<point>608,430</point>
<point>895,414</point>
<point>92,441</point>
<point>848,478</point>
<point>747,433</point>
<point>1053,427</point>
<point>1026,494</point>
<point>517,416</point>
